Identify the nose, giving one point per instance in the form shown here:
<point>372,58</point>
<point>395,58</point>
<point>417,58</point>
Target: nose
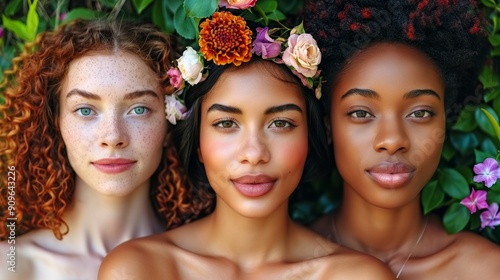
<point>113,132</point>
<point>391,136</point>
<point>254,149</point>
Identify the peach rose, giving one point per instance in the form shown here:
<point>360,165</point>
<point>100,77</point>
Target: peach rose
<point>302,54</point>
<point>237,4</point>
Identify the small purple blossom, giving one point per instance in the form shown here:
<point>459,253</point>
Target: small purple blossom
<point>63,16</point>
<point>487,172</point>
<point>175,77</point>
<point>476,200</point>
<point>490,217</point>
<point>265,46</point>
<point>1,32</point>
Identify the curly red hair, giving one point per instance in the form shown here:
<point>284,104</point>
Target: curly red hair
<point>30,139</point>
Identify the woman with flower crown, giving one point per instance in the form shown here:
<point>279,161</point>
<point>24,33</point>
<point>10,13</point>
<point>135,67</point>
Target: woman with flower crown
<point>394,69</point>
<point>253,133</point>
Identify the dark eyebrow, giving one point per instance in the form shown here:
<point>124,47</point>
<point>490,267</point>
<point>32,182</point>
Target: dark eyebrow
<point>283,108</point>
<point>82,93</point>
<point>373,94</point>
<point>224,108</point>
<point>363,92</point>
<point>418,92</point>
<point>128,96</point>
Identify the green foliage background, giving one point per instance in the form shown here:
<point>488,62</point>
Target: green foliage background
<point>470,138</point>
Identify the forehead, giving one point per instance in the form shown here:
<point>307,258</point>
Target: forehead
<point>104,70</point>
<point>390,66</point>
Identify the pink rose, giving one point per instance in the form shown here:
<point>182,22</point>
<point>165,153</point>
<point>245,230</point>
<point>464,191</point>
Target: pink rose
<point>175,77</point>
<point>302,54</point>
<point>265,46</point>
<point>237,4</point>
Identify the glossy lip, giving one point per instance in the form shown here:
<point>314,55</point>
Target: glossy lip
<point>113,165</point>
<point>254,185</point>
<point>391,174</point>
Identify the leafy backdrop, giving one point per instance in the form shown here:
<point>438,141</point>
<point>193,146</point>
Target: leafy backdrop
<point>471,137</point>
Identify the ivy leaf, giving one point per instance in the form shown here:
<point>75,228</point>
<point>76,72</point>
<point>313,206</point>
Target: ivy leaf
<point>140,5</point>
<point>200,9</point>
<point>453,183</point>
<point>456,218</point>
<point>432,196</point>
<point>480,156</point>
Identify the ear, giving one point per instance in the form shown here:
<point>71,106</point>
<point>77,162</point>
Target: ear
<point>200,157</point>
<point>328,128</point>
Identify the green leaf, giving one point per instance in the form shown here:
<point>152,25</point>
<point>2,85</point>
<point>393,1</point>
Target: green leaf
<point>492,94</point>
<point>276,16</point>
<point>489,3</point>
<point>496,24</point>
<point>172,5</point>
<point>432,196</point>
<point>465,122</point>
<point>488,146</point>
<point>493,120</point>
<point>17,27</point>
<point>488,78</point>
<point>494,40</point>
<point>267,6</point>
<point>466,172</point>
<point>496,104</point>
<point>200,9</point>
<point>480,156</point>
<point>493,196</point>
<point>464,142</point>
<point>162,17</point>
<point>140,5</point>
<point>448,152</point>
<point>453,183</point>
<point>456,218</point>
<point>183,24</point>
<point>12,7</point>
<point>80,13</point>
<point>32,21</point>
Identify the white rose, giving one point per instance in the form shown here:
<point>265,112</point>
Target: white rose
<point>191,66</point>
<point>302,54</point>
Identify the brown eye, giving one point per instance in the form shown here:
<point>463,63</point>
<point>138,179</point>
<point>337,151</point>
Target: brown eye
<point>421,114</point>
<point>360,114</point>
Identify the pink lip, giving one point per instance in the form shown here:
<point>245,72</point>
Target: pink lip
<point>254,185</point>
<point>113,165</point>
<point>391,174</point>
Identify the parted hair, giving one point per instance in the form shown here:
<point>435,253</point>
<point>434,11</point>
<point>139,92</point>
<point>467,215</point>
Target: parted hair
<point>30,137</point>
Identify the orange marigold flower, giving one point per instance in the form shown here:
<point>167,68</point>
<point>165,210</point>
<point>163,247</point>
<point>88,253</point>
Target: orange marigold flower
<point>226,39</point>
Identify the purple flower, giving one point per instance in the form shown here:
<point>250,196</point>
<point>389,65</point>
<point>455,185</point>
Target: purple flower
<point>476,200</point>
<point>490,217</point>
<point>265,46</point>
<point>487,172</point>
<point>1,32</point>
<point>63,16</point>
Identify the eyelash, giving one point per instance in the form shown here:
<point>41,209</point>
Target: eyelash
<point>427,114</point>
<point>288,124</point>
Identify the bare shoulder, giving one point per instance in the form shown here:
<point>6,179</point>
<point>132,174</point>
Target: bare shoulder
<point>476,253</point>
<point>349,264</point>
<point>143,258</point>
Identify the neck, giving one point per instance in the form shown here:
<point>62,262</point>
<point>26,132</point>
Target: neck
<point>249,242</point>
<point>385,233</point>
<point>98,223</point>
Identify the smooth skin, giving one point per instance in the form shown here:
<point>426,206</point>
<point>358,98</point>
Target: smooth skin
<point>388,116</point>
<point>253,125</point>
<point>111,106</point>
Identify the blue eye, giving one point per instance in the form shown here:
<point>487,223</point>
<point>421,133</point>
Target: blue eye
<point>140,110</point>
<point>84,111</point>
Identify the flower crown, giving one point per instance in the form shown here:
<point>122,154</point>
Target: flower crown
<point>225,38</point>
